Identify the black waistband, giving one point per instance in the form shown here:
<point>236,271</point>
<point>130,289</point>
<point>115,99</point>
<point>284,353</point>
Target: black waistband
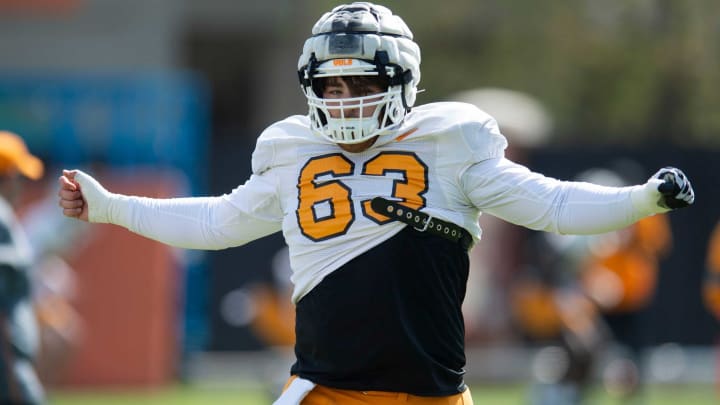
<point>422,221</point>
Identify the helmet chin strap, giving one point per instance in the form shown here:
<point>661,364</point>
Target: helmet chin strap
<point>306,75</point>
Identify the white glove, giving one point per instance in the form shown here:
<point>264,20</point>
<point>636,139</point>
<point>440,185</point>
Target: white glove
<point>98,199</point>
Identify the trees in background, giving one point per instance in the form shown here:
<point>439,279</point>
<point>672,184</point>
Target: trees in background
<point>611,71</point>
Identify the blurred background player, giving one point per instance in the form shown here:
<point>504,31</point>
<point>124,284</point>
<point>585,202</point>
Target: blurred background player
<point>54,282</point>
<point>19,383</point>
<point>583,296</point>
<point>711,285</point>
<point>619,273</point>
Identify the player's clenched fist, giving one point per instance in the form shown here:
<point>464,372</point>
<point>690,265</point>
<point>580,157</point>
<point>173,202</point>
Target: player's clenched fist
<point>82,197</point>
<point>676,190</point>
<point>71,197</point>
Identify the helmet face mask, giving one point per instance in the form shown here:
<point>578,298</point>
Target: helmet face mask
<point>360,39</point>
<point>354,119</point>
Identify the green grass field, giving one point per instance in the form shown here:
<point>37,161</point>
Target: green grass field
<point>482,394</point>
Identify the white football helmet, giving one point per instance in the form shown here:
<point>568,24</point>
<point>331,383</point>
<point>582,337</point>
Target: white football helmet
<point>360,39</point>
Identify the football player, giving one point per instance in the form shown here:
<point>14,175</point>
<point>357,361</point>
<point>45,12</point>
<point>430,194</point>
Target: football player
<point>711,284</point>
<point>19,340</point>
<point>378,201</point>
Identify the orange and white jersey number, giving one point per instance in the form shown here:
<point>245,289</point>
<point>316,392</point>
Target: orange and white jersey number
<point>409,187</point>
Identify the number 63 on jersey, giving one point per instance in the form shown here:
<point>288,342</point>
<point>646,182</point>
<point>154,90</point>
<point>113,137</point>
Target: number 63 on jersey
<point>409,189</point>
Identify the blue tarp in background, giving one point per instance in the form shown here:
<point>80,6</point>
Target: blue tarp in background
<point>122,121</point>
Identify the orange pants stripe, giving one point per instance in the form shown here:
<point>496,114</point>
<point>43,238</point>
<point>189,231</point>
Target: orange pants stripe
<point>322,395</point>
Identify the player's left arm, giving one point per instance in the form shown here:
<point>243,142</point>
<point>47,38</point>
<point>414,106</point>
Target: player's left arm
<point>512,192</point>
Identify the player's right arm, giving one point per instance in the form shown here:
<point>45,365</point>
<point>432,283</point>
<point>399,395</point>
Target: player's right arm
<point>249,212</point>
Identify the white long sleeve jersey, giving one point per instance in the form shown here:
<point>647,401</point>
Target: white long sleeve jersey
<point>446,159</point>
